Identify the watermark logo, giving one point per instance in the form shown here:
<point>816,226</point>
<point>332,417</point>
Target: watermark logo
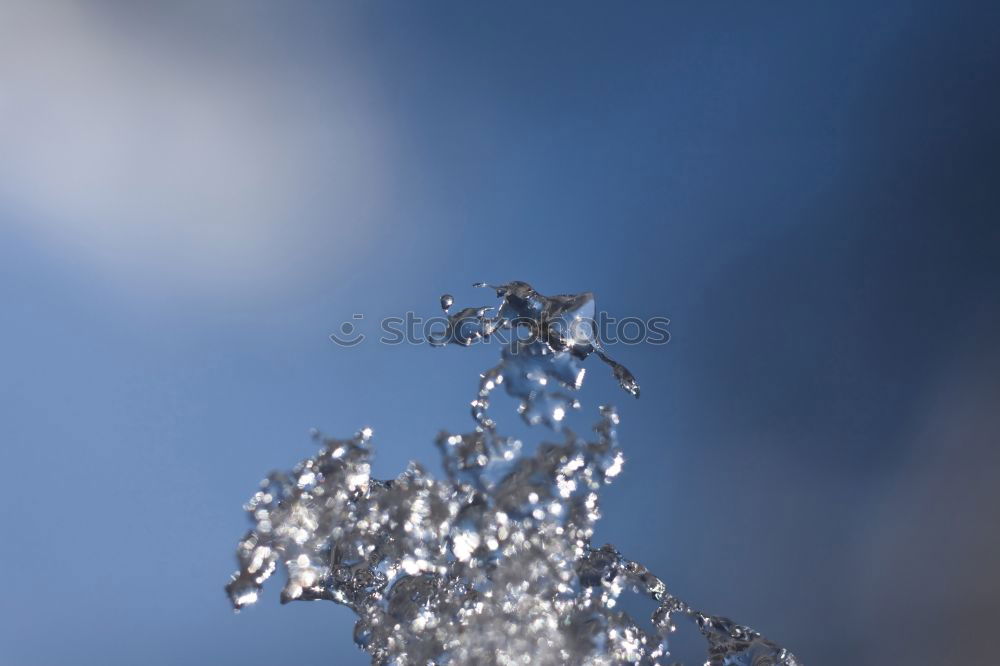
<point>413,329</point>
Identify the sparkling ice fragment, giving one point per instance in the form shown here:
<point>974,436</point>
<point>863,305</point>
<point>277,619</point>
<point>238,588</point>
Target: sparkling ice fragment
<point>494,563</point>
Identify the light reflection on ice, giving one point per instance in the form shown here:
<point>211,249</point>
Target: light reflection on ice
<point>493,564</point>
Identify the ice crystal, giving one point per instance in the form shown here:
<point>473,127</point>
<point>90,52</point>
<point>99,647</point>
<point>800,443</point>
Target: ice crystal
<point>493,564</point>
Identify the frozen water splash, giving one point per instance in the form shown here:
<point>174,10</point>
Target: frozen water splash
<point>494,563</point>
<point>548,338</point>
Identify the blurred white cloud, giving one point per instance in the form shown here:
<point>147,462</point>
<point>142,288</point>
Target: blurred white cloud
<point>178,150</point>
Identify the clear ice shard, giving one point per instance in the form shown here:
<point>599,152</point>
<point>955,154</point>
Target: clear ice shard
<point>494,563</point>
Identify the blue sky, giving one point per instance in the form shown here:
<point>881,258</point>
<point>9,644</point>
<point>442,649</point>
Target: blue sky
<point>193,196</point>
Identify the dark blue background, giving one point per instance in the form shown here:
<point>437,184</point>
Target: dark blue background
<point>195,196</point>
